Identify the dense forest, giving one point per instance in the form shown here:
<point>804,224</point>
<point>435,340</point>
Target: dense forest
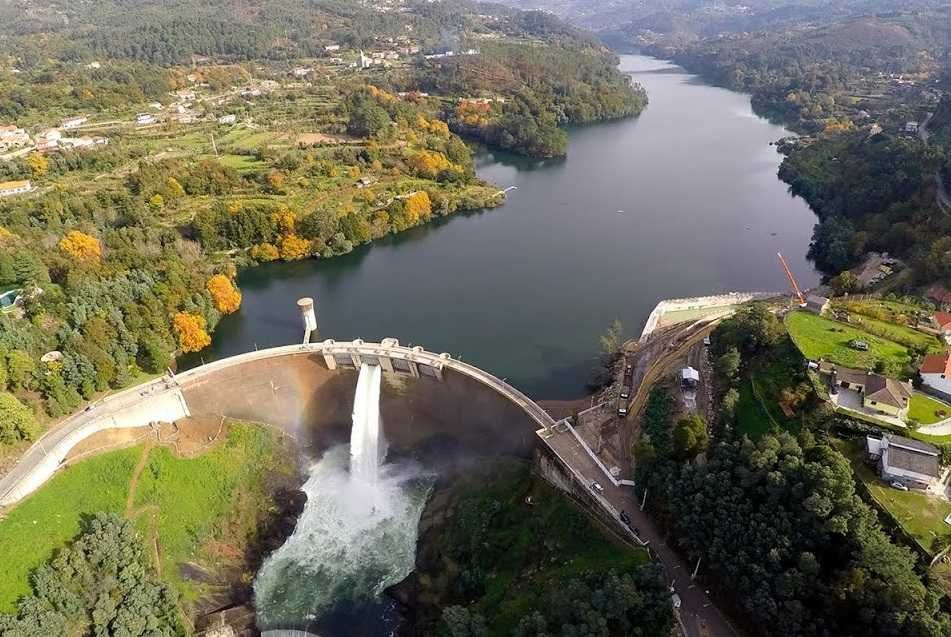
<point>779,518</point>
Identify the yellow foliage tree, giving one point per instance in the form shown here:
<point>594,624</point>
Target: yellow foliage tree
<point>190,330</point>
<point>294,248</point>
<point>6,235</point>
<point>265,252</point>
<point>174,187</point>
<point>427,163</point>
<point>285,220</point>
<point>81,246</point>
<point>38,164</point>
<point>226,297</point>
<point>418,207</point>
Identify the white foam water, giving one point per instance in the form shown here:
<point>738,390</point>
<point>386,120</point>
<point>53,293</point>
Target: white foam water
<point>358,531</point>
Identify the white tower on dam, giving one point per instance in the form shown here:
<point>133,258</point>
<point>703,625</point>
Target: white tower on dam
<point>309,316</point>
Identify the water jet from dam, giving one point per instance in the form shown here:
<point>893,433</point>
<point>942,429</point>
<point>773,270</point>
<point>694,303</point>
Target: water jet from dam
<point>356,536</point>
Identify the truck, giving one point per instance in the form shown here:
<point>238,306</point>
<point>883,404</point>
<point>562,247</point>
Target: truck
<point>622,407</point>
<point>625,391</point>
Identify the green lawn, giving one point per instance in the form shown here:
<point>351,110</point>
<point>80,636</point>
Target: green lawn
<point>927,410</point>
<point>818,337</point>
<point>241,162</point>
<point>921,516</point>
<point>184,501</point>
<point>49,518</point>
<point>188,498</point>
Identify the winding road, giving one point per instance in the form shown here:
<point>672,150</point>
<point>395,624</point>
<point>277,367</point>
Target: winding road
<point>941,194</point>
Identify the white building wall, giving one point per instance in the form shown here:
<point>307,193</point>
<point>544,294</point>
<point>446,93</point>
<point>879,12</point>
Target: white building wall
<point>936,381</point>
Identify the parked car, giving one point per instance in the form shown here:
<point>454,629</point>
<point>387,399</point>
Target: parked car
<point>861,346</point>
<point>625,391</point>
<point>596,486</point>
<point>622,408</point>
<point>898,485</point>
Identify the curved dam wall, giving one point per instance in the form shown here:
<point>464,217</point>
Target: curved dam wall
<point>307,391</point>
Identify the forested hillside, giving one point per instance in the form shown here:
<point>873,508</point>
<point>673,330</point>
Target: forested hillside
<point>207,137</point>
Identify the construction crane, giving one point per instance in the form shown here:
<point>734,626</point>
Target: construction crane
<point>792,279</point>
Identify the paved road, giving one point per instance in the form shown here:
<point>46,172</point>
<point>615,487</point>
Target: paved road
<point>700,617</point>
<point>941,196</point>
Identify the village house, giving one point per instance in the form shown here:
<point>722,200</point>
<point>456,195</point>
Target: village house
<point>910,462</point>
<point>817,304</point>
<point>911,128</point>
<point>11,188</point>
<point>874,393</point>
<point>331,48</point>
<point>12,137</point>
<point>935,373</point>
<point>228,119</point>
<point>73,122</point>
<point>941,321</point>
<point>144,119</point>
<point>301,71</point>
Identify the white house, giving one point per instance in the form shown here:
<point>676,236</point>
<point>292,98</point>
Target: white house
<point>330,48</point>
<point>228,119</point>
<point>73,122</point>
<point>11,188</point>
<point>144,119</point>
<point>817,304</point>
<point>935,373</point>
<point>911,462</point>
<point>301,71</point>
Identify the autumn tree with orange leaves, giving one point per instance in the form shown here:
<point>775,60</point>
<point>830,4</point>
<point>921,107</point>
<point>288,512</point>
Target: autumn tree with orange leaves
<point>191,332</point>
<point>226,297</point>
<point>81,246</point>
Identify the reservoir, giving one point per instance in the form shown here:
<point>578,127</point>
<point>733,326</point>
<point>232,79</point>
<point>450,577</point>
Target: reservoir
<point>681,201</point>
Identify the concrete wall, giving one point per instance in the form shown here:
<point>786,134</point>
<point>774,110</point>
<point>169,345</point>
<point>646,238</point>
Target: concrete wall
<point>452,410</point>
<point>137,411</point>
<point>701,302</point>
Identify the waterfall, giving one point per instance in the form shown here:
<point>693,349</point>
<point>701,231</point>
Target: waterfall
<point>356,536</point>
<point>367,446</point>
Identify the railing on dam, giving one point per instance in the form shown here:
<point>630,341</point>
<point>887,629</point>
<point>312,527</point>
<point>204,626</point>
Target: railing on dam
<point>162,400</point>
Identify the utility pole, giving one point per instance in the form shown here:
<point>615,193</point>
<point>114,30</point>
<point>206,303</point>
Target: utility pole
<point>696,569</point>
<point>214,145</point>
<point>644,501</point>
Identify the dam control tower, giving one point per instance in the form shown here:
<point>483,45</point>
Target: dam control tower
<point>309,316</point>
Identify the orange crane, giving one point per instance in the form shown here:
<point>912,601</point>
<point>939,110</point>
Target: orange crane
<point>792,279</point>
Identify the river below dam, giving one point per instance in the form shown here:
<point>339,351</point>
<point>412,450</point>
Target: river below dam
<point>681,201</point>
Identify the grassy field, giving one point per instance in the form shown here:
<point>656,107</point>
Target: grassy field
<point>49,518</point>
<point>758,410</point>
<point>185,500</point>
<point>926,410</point>
<point>921,516</point>
<point>182,502</point>
<point>818,337</point>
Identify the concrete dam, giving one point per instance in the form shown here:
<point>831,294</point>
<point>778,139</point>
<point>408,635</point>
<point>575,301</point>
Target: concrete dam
<point>307,391</point>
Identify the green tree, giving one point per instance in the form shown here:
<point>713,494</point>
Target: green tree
<point>612,340</point>
<point>17,422</point>
<point>21,370</point>
<point>690,436</point>
<point>462,622</point>
<point>728,364</point>
<point>100,584</point>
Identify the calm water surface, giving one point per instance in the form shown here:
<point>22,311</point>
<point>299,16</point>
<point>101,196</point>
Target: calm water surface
<point>682,201</point>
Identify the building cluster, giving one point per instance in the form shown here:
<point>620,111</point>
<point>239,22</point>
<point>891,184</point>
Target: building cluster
<point>16,142</point>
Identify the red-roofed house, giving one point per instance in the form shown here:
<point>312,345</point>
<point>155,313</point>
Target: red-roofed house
<point>942,322</point>
<point>936,373</point>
